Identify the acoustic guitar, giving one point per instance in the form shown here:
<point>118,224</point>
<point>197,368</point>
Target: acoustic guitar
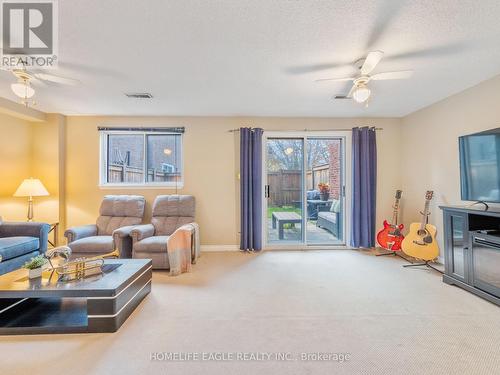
<point>420,242</point>
<point>390,237</point>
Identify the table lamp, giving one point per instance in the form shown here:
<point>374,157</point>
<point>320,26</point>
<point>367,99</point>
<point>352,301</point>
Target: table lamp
<point>31,187</point>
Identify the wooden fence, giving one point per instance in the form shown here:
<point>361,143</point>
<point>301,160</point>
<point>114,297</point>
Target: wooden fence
<point>320,173</point>
<point>122,173</point>
<point>285,186</point>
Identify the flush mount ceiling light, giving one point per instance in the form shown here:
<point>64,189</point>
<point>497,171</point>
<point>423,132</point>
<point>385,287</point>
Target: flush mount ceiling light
<point>167,151</point>
<point>288,150</point>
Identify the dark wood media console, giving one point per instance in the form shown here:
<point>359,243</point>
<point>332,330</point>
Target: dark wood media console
<point>472,250</point>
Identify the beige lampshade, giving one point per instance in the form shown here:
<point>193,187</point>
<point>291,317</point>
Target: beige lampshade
<point>31,187</point>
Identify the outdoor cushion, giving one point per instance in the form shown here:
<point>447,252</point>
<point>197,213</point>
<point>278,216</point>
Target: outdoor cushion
<point>11,247</point>
<point>327,215</point>
<point>335,207</point>
<point>156,244</point>
<point>93,244</point>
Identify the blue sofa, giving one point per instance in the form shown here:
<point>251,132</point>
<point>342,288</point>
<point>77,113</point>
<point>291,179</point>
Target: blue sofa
<point>21,241</point>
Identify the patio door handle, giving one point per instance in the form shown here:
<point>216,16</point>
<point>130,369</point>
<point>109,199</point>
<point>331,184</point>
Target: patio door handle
<point>266,191</point>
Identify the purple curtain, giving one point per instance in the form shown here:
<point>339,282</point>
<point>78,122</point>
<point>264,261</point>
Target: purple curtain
<point>251,188</point>
<point>364,186</point>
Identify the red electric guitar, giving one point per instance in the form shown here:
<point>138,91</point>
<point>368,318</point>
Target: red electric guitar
<point>390,237</point>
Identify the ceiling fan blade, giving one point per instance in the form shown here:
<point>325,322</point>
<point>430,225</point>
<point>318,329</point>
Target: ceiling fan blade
<point>335,79</point>
<point>351,91</point>
<point>56,79</point>
<point>404,74</point>
<point>371,62</point>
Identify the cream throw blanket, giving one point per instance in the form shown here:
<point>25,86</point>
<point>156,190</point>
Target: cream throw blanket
<point>183,248</point>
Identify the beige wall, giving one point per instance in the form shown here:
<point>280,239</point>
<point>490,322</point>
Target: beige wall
<point>47,164</point>
<point>430,147</point>
<point>210,165</point>
<point>416,153</point>
<point>15,164</point>
<point>32,149</point>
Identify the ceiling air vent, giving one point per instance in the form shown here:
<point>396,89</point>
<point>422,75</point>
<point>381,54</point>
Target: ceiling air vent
<point>139,95</point>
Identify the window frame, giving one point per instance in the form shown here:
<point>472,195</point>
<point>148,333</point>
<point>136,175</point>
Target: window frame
<point>103,161</point>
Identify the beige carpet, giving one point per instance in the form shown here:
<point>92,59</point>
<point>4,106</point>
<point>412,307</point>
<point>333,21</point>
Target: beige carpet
<point>391,320</point>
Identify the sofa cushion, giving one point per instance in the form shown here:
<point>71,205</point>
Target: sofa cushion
<point>327,215</point>
<point>93,245</point>
<point>12,247</point>
<point>155,244</point>
<point>17,262</point>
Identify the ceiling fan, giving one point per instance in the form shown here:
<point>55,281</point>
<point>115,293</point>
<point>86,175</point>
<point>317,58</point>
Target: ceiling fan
<point>23,87</point>
<point>360,92</point>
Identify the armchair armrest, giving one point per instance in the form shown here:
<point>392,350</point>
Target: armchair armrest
<point>140,232</point>
<point>123,231</point>
<point>123,241</point>
<point>75,233</point>
<point>32,229</point>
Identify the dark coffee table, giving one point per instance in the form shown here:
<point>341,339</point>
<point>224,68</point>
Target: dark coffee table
<point>96,304</point>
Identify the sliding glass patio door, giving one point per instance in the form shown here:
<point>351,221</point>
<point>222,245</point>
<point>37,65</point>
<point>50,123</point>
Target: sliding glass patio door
<point>304,190</point>
<point>284,190</point>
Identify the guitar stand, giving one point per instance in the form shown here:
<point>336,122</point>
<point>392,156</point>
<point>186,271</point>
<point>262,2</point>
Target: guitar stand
<point>426,264</point>
<point>395,253</point>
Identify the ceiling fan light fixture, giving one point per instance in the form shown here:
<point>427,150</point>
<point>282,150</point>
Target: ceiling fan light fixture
<point>22,89</point>
<point>361,94</point>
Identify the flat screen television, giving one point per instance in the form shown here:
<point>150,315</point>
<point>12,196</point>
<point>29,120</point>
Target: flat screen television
<point>480,166</point>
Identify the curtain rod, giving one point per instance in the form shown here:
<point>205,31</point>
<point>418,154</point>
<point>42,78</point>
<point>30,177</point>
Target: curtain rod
<point>144,129</point>
<point>305,130</point>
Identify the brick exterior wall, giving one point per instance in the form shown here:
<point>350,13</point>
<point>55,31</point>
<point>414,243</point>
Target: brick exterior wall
<point>335,172</point>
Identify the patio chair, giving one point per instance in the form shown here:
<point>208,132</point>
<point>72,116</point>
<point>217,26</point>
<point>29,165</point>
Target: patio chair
<point>330,219</point>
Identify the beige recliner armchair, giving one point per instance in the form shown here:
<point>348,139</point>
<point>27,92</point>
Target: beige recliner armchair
<point>118,215</point>
<point>170,212</point>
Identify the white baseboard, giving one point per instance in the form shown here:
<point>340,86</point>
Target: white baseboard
<point>214,248</point>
